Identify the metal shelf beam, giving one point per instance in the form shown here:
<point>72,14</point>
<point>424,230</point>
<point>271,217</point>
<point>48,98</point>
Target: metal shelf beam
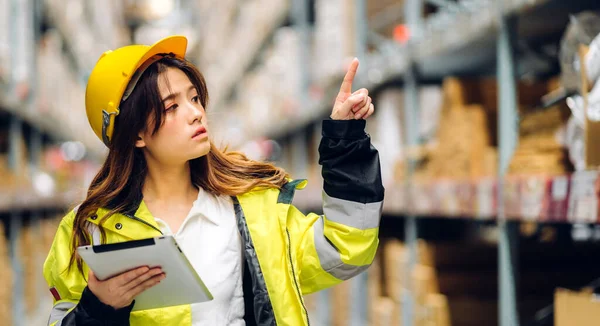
<point>508,137</point>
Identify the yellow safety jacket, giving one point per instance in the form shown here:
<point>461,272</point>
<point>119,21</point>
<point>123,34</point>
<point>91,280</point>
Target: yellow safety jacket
<point>289,254</point>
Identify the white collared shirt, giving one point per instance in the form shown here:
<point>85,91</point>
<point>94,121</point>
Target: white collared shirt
<point>210,239</point>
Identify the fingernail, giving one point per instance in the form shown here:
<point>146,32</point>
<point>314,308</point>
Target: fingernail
<point>358,116</point>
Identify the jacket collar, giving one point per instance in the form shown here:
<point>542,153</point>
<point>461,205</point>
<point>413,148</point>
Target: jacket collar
<point>145,227</point>
<point>144,214</point>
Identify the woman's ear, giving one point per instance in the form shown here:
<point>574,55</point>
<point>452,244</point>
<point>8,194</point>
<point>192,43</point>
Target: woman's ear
<point>140,143</point>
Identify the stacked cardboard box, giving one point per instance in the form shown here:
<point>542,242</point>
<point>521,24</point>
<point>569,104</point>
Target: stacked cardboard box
<point>576,308</point>
<point>9,180</point>
<point>13,179</point>
<point>374,290</point>
<point>5,279</point>
<point>464,139</point>
<point>437,310</point>
<point>341,301</point>
<point>30,254</point>
<point>395,264</point>
<point>589,90</point>
<point>48,227</point>
<point>388,285</point>
<point>539,150</point>
<point>463,143</point>
<point>386,311</point>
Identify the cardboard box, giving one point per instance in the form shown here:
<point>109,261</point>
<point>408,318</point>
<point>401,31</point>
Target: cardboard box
<point>437,309</point>
<point>424,283</point>
<point>6,276</point>
<point>374,285</point>
<point>388,312</point>
<point>395,262</point>
<point>592,128</point>
<point>576,308</point>
<point>341,304</point>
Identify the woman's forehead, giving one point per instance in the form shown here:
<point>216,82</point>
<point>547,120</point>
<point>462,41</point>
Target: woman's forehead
<point>173,81</point>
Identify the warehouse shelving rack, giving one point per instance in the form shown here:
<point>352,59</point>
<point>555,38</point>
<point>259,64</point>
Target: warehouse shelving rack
<point>22,118</point>
<point>488,34</point>
<point>486,44</point>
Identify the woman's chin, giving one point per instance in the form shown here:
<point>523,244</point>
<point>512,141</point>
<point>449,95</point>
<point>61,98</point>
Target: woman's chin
<point>201,152</point>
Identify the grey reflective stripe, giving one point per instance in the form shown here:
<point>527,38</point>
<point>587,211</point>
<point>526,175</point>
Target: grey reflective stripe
<point>353,214</point>
<point>59,311</point>
<point>94,230</point>
<point>329,257</point>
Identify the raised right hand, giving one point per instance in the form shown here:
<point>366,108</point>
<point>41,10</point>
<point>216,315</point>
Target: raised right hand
<point>119,291</point>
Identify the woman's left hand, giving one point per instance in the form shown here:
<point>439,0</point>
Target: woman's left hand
<point>348,105</point>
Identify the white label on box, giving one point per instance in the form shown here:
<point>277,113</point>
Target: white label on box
<point>532,197</point>
<point>586,210</point>
<point>485,198</point>
<point>421,199</point>
<point>560,188</point>
<point>583,203</point>
<point>447,198</point>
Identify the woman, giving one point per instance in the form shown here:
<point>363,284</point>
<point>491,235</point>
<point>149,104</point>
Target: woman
<point>162,175</point>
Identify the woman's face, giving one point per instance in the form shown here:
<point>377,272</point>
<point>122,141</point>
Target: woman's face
<point>183,135</point>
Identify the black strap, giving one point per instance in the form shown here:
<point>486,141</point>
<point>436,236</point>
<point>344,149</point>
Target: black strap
<point>249,316</point>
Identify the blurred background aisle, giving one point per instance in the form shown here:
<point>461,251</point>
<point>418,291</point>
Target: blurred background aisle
<point>487,121</point>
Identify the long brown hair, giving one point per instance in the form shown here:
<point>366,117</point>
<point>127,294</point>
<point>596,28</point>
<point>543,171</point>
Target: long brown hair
<point>118,184</point>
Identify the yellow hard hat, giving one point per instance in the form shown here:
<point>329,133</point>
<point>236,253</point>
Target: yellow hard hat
<point>114,76</point>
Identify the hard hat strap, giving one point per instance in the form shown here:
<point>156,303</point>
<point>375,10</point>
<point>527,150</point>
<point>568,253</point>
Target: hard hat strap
<point>105,124</point>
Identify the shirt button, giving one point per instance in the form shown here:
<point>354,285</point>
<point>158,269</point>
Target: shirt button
<point>94,217</point>
<point>118,226</point>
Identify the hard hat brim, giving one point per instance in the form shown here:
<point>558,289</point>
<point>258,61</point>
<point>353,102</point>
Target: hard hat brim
<point>176,44</point>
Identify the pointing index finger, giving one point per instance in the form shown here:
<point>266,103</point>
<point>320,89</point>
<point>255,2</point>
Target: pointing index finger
<point>349,78</point>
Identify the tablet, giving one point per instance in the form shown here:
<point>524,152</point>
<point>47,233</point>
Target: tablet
<point>182,285</point>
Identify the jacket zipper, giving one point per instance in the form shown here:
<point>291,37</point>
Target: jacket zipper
<point>133,217</point>
<point>294,275</point>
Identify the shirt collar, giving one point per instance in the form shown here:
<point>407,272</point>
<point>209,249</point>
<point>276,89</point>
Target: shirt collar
<point>206,206</point>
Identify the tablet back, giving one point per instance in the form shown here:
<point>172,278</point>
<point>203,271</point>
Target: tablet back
<point>182,284</point>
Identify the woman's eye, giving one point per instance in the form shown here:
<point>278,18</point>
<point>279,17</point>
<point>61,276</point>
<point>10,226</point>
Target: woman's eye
<point>171,108</point>
<point>195,99</point>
